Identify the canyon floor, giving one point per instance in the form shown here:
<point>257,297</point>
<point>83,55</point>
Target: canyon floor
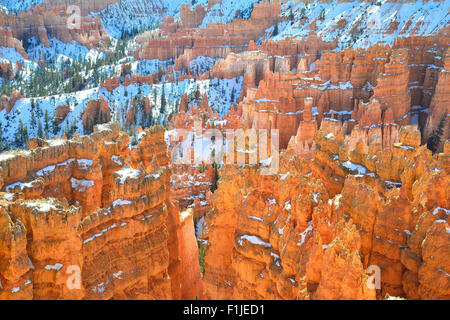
<point>224,150</point>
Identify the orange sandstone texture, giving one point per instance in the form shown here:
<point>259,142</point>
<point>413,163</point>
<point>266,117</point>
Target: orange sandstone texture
<point>216,40</point>
<point>312,230</point>
<point>92,203</point>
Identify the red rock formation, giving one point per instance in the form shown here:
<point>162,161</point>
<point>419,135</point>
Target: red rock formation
<point>7,40</point>
<point>372,87</point>
<point>90,203</point>
<point>9,102</point>
<point>113,83</point>
<point>301,234</point>
<point>192,18</point>
<point>303,140</point>
<point>61,113</point>
<point>96,110</point>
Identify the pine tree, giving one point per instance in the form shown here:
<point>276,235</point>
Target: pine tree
<point>25,137</point>
<point>322,15</point>
<point>18,136</point>
<point>33,114</point>
<point>303,13</point>
<point>435,137</point>
<point>46,121</point>
<point>163,101</point>
<point>291,14</point>
<point>216,177</point>
<point>21,135</point>
<point>197,93</point>
<point>154,95</point>
<point>39,133</point>
<point>275,30</point>
<point>55,126</point>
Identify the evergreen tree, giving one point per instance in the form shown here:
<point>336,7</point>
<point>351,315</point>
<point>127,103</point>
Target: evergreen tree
<point>322,15</point>
<point>55,126</point>
<point>154,95</point>
<point>291,14</point>
<point>303,13</point>
<point>275,30</point>
<point>18,137</point>
<point>197,93</point>
<point>163,101</point>
<point>40,133</point>
<point>33,114</point>
<point>216,177</point>
<point>21,136</point>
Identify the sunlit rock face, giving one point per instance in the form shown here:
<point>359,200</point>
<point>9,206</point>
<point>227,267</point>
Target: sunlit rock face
<point>357,209</point>
<point>94,204</point>
<point>312,230</point>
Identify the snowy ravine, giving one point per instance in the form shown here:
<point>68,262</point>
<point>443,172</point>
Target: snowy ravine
<point>220,93</point>
<point>371,19</point>
<point>58,49</point>
<point>19,5</point>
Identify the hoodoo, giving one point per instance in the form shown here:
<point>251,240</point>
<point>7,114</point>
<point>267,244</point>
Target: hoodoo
<point>224,150</point>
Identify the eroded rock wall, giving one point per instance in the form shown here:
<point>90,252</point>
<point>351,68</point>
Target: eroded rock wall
<point>92,203</point>
<point>312,230</point>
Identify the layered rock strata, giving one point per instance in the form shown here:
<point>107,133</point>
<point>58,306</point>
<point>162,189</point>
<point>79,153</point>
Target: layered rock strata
<point>93,208</point>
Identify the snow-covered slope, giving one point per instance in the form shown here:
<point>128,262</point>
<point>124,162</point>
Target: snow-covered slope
<point>19,5</point>
<point>361,24</point>
<point>56,48</point>
<point>11,56</point>
<point>221,95</point>
<point>225,11</point>
<point>137,15</point>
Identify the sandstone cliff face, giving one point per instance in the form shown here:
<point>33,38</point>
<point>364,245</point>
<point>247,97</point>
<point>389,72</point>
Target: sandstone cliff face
<point>313,230</point>
<point>192,18</point>
<point>8,102</point>
<point>440,103</point>
<point>379,86</point>
<point>92,203</point>
<point>7,40</point>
